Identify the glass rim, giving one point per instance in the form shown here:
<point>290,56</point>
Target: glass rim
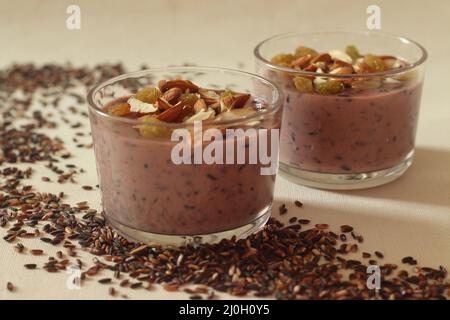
<point>270,65</point>
<point>274,105</point>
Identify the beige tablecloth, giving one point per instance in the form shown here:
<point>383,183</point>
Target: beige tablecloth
<point>408,217</point>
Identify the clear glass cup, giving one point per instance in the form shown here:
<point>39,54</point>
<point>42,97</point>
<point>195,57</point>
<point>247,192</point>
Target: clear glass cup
<point>362,137</point>
<point>149,198</point>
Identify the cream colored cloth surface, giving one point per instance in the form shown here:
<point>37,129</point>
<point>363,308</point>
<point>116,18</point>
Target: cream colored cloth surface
<point>408,217</point>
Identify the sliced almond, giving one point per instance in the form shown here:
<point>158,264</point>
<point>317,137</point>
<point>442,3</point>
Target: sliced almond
<point>235,101</point>
<point>325,57</point>
<point>163,104</point>
<point>236,113</point>
<point>391,81</point>
<point>340,63</point>
<point>175,114</point>
<point>172,95</point>
<point>342,70</point>
<point>200,105</point>
<point>301,62</point>
<point>340,55</point>
<point>241,100</point>
<point>310,68</point>
<point>322,65</point>
<point>141,107</point>
<point>161,83</point>
<point>182,84</point>
<point>217,107</point>
<point>209,96</point>
<point>319,80</point>
<point>202,115</point>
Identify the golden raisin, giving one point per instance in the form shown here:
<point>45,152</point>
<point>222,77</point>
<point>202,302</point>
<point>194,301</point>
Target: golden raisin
<point>148,130</point>
<point>329,87</point>
<point>374,62</point>
<point>120,110</point>
<point>366,84</point>
<point>353,52</point>
<point>283,59</point>
<point>304,51</point>
<point>303,84</point>
<point>148,94</point>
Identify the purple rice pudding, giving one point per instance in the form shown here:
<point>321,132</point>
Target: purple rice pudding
<point>347,116</point>
<point>143,189</point>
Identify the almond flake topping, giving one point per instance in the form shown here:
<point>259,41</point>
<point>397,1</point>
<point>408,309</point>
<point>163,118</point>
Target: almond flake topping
<point>179,100</point>
<point>336,62</point>
<point>141,107</point>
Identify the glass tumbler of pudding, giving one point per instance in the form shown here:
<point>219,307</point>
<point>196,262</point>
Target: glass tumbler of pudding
<point>186,154</point>
<point>351,105</point>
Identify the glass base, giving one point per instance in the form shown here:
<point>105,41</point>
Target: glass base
<point>345,181</point>
<point>151,238</point>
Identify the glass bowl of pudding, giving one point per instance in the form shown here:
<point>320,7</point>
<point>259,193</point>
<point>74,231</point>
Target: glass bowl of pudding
<point>186,154</point>
<point>351,105</point>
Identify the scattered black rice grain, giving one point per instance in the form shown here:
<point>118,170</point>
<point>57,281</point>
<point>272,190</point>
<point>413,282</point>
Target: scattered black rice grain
<point>112,292</point>
<point>19,247</point>
<point>37,252</point>
<point>346,228</point>
<point>124,283</point>
<point>293,220</point>
<point>10,287</point>
<point>298,203</point>
<point>409,260</point>
<point>136,285</point>
<point>266,263</point>
<point>282,209</point>
<point>105,280</point>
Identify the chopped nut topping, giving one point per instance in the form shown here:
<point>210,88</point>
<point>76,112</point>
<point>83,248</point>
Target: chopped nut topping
<point>200,106</point>
<point>172,95</point>
<point>202,115</point>
<point>337,62</point>
<point>175,114</point>
<point>339,55</point>
<point>141,107</point>
<point>165,85</point>
<point>180,101</point>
